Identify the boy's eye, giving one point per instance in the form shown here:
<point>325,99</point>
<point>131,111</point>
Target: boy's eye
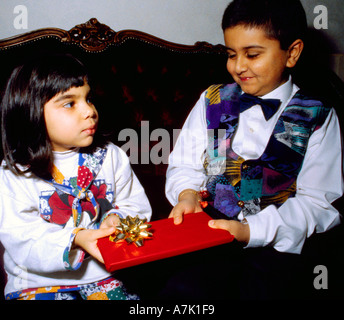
<point>252,55</point>
<point>231,55</point>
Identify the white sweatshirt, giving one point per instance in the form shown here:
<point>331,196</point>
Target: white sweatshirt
<point>34,248</point>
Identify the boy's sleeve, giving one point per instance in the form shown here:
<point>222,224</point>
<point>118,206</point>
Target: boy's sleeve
<point>320,182</point>
<point>185,169</point>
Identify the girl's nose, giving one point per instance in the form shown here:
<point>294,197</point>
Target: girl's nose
<point>89,110</point>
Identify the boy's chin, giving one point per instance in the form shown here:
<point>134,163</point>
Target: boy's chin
<point>251,91</point>
<point>248,88</point>
<point>254,91</point>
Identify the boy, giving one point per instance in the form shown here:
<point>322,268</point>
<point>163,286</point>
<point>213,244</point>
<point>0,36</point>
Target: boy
<point>278,168</point>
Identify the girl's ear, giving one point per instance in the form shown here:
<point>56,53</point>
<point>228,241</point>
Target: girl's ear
<point>294,53</point>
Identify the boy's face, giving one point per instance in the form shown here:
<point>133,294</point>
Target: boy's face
<point>71,119</point>
<point>256,62</point>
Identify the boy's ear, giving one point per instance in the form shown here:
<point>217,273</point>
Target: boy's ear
<point>294,52</point>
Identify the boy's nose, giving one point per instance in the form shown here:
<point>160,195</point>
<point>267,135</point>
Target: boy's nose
<point>240,65</point>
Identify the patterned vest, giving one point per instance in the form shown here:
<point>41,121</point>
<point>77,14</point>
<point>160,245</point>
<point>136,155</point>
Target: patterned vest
<point>249,186</point>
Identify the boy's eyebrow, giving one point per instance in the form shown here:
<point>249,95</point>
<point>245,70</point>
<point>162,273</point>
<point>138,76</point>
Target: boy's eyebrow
<point>248,47</point>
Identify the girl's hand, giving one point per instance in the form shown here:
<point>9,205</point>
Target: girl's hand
<point>239,230</point>
<point>111,221</point>
<point>87,240</point>
<point>188,203</point>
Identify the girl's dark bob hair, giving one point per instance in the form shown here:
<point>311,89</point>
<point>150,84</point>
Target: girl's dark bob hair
<point>25,141</point>
<point>283,20</point>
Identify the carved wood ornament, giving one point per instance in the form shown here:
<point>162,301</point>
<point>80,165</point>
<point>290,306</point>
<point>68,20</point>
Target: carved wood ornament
<point>94,36</point>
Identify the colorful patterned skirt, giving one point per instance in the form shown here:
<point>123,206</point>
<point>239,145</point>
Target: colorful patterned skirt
<point>108,289</point>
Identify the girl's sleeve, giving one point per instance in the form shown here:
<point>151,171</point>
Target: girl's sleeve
<point>320,182</point>
<point>185,169</point>
<point>129,196</point>
<point>32,242</point>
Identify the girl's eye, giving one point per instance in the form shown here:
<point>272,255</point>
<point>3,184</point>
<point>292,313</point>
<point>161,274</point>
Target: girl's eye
<point>68,105</point>
<point>89,98</point>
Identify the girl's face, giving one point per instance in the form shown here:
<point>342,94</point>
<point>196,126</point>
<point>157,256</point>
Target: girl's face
<point>256,62</point>
<point>71,119</point>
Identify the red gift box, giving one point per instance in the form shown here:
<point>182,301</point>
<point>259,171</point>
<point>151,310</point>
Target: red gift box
<point>168,240</point>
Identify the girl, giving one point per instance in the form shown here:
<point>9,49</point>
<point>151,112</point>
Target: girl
<point>61,188</point>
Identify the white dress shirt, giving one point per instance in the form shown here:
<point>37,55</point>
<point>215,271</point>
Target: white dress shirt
<point>319,183</point>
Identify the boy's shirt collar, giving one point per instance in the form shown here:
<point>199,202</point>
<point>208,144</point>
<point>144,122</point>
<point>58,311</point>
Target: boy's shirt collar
<point>283,92</point>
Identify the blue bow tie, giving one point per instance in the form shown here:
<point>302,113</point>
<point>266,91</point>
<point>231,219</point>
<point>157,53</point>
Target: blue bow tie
<point>269,106</point>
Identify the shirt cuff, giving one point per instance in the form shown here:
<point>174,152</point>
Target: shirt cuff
<point>73,257</point>
<point>268,228</point>
<point>257,234</point>
<point>110,212</point>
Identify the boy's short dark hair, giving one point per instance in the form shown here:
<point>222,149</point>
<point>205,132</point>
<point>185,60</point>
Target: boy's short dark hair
<point>283,20</point>
<point>24,136</point>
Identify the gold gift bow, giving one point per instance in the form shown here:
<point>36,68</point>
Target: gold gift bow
<point>132,230</point>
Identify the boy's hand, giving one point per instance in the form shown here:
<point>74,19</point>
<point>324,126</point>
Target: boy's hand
<point>87,239</point>
<point>240,231</point>
<point>184,207</point>
<point>188,203</point>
